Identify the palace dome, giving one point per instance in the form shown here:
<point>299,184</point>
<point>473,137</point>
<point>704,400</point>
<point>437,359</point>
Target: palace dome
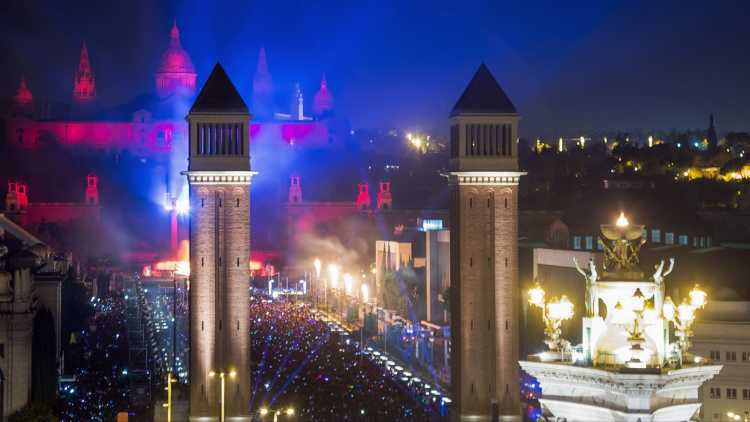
<point>175,59</point>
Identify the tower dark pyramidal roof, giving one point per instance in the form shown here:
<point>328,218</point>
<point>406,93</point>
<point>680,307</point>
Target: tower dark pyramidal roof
<point>219,95</point>
<point>483,95</point>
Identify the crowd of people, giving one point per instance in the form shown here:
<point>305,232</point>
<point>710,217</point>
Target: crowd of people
<point>100,389</point>
<point>300,363</point>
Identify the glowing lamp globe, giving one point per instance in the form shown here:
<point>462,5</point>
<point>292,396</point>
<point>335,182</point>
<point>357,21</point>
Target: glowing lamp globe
<point>365,293</point>
<point>622,221</point>
<point>536,296</point>
<point>638,301</point>
<point>333,272</point>
<point>650,315</point>
<point>686,311</point>
<point>317,266</point>
<point>697,297</point>
<point>348,283</point>
<point>668,310</point>
<point>620,315</point>
<point>560,310</point>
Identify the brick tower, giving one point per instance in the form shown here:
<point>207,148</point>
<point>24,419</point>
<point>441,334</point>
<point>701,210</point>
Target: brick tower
<point>219,177</point>
<point>484,253</point>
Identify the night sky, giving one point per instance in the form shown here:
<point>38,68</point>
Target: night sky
<point>593,65</point>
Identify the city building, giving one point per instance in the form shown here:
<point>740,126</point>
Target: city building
<point>219,176</point>
<point>484,253</point>
<point>31,275</point>
<point>723,335</point>
<point>626,368</point>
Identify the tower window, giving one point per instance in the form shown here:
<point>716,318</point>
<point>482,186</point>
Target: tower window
<point>506,324</point>
<point>202,262</point>
<point>506,202</point>
<point>238,262</point>
<point>238,325</point>
<point>219,202</point>
<point>201,325</point>
<point>202,202</point>
<point>470,202</point>
<point>488,324</point>
<point>238,202</point>
<point>488,202</point>
<point>471,261</point>
<point>471,324</point>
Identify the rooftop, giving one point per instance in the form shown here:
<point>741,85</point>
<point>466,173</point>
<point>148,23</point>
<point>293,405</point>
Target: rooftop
<point>483,95</point>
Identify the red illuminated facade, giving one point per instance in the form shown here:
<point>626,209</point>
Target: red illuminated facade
<point>176,74</point>
<point>363,197</point>
<point>31,214</point>
<point>323,102</point>
<point>23,95</point>
<point>84,83</point>
<point>149,124</point>
<point>385,199</point>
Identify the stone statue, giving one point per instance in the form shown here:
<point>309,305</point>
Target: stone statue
<point>591,277</point>
<point>659,276</point>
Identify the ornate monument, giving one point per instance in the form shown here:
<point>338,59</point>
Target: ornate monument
<point>626,369</point>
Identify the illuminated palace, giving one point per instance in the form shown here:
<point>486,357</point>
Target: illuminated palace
<point>626,369</point>
<point>150,124</point>
<point>219,177</point>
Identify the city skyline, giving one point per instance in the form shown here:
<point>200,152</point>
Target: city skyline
<point>586,67</point>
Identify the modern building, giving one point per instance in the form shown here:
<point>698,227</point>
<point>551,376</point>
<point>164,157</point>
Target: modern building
<point>484,253</point>
<point>722,334</point>
<point>219,177</point>
<point>625,368</point>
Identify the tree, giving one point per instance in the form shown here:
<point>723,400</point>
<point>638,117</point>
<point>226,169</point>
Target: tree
<point>34,412</point>
<point>402,290</point>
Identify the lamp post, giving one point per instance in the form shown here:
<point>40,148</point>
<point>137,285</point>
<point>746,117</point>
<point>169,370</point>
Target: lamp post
<point>554,312</point>
<point>315,288</point>
<point>222,378</point>
<point>168,404</point>
<point>683,317</point>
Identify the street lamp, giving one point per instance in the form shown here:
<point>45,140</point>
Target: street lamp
<point>222,377</point>
<point>683,316</point>
<point>317,266</point>
<point>168,404</point>
<point>554,312</point>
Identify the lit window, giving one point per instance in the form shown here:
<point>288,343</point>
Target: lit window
<point>669,238</point>
<point>589,242</point>
<point>576,242</point>
<point>682,240</point>
<point>599,244</point>
<point>656,235</point>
